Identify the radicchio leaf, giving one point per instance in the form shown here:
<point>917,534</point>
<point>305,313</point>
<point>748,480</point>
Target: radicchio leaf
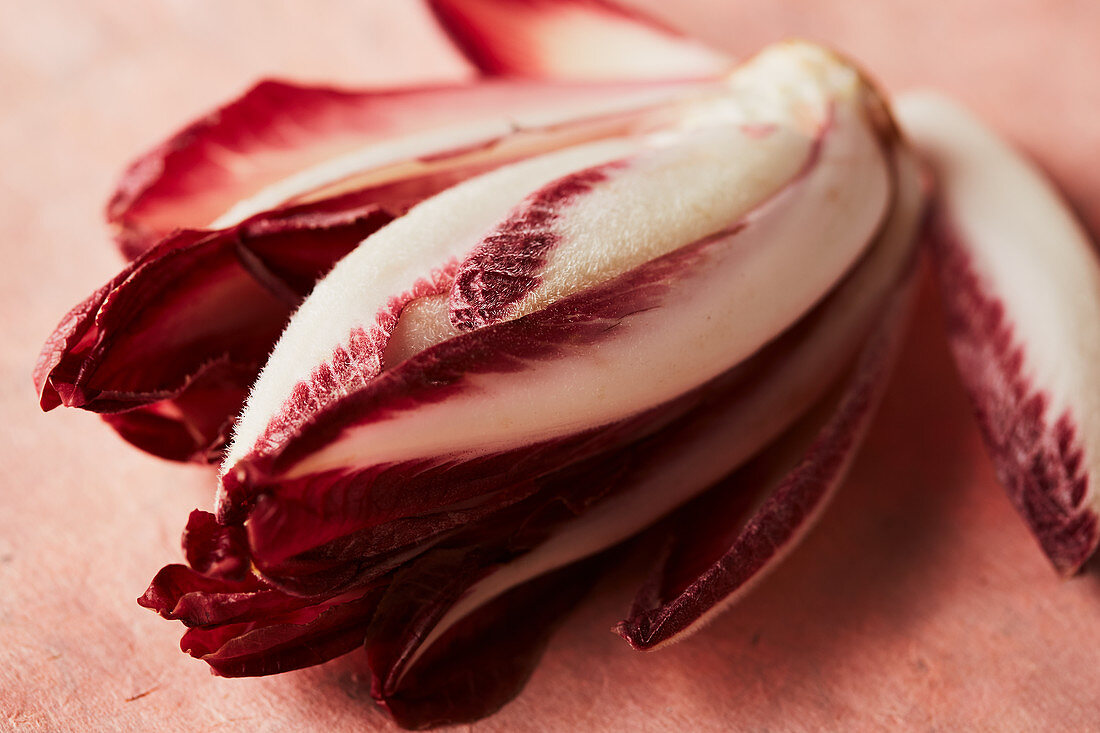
<point>281,140</point>
<point>168,348</point>
<point>572,39</point>
<point>1021,289</point>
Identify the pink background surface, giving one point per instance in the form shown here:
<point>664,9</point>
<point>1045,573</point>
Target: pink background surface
<point>919,602</point>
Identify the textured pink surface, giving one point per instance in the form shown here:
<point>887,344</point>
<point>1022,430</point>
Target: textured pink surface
<point>919,602</point>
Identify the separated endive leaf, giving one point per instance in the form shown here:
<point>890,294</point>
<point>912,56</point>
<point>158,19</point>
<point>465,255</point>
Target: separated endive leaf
<point>572,39</point>
<point>1021,288</point>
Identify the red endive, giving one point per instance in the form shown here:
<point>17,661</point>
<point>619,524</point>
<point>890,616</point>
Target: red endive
<point>528,368</point>
<point>664,292</point>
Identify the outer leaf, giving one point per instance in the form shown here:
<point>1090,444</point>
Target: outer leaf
<point>572,39</point>
<point>1021,286</point>
<point>280,140</point>
<point>169,347</point>
<point>180,593</point>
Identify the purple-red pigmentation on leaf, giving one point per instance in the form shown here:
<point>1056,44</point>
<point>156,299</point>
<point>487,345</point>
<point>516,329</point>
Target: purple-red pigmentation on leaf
<point>241,625</point>
<point>1038,455</point>
<point>186,182</point>
<point>168,349</point>
<point>282,642</point>
<point>215,550</point>
<point>350,515</point>
<point>1020,282</point>
<point>504,267</point>
<point>482,662</point>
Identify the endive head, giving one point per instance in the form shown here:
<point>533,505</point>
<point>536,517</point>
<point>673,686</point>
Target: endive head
<point>702,281</point>
<point>598,322</point>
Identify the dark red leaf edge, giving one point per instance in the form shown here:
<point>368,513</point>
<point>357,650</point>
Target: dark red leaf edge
<point>301,638</point>
<point>169,347</point>
<point>1037,455</point>
<point>186,165</point>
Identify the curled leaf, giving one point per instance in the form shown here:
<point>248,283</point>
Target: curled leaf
<point>167,349</point>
